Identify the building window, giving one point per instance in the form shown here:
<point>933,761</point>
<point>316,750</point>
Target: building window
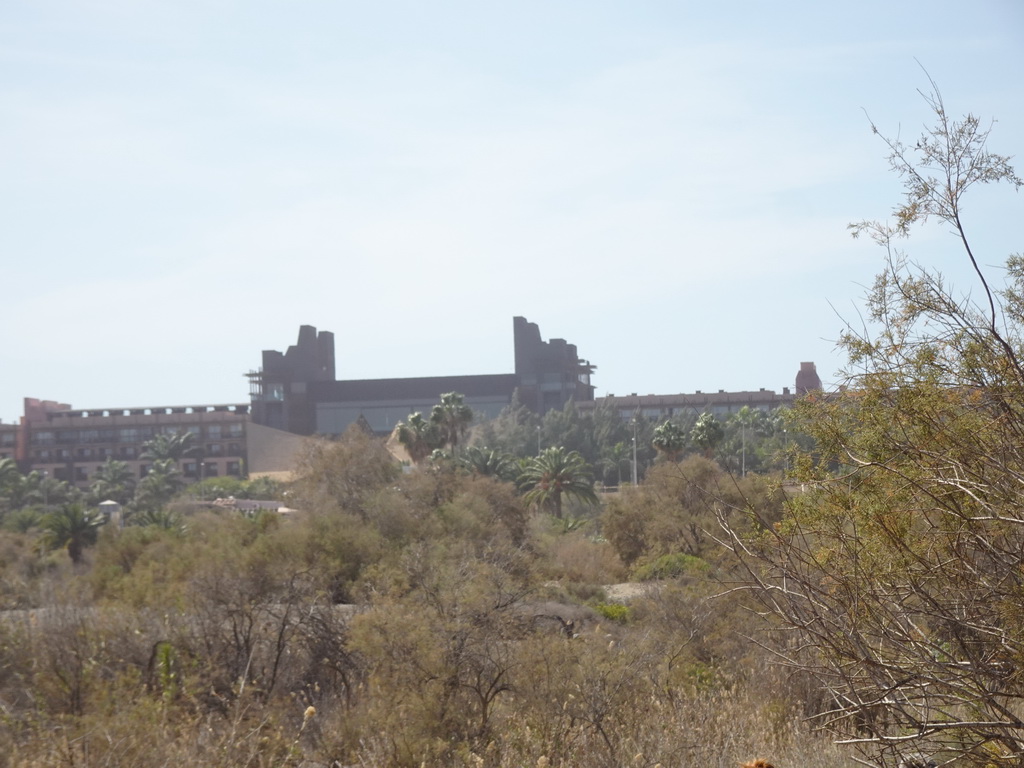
<point>143,470</point>
<point>213,432</point>
<point>214,449</point>
<point>210,469</point>
<point>60,473</point>
<point>43,438</point>
<point>235,468</point>
<point>234,449</point>
<point>81,475</point>
<point>190,468</point>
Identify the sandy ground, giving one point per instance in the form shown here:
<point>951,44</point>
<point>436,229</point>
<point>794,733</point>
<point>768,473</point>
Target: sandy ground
<point>623,593</point>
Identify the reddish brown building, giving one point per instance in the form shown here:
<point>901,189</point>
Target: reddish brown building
<point>70,444</point>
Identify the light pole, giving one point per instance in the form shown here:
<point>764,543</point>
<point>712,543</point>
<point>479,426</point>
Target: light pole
<point>538,439</point>
<point>743,442</point>
<point>634,453</point>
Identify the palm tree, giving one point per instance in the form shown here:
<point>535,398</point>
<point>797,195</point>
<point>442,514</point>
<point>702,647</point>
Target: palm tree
<point>489,463</point>
<point>158,518</point>
<point>556,473</point>
<point>707,433</point>
<point>670,440</point>
<point>41,489</point>
<point>419,437</point>
<point>159,486</point>
<point>452,417</point>
<point>11,484</point>
<point>113,480</point>
<point>73,528</point>
<point>173,447</point>
<point>9,473</point>
<point>22,520</point>
<point>613,459</point>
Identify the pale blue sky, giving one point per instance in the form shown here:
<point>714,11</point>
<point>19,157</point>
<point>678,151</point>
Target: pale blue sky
<point>664,184</point>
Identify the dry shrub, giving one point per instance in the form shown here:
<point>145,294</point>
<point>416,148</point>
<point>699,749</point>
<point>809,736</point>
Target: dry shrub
<point>575,557</point>
<point>19,569</point>
<point>676,510</point>
<point>341,474</point>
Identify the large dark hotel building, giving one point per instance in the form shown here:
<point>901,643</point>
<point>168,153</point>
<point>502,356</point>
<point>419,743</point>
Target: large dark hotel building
<point>295,394</point>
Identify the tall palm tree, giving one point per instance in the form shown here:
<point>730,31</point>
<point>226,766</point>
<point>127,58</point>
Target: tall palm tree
<point>419,437</point>
<point>9,473</point>
<point>175,447</point>
<point>72,527</point>
<point>670,440</point>
<point>41,489</point>
<point>613,458</point>
<point>452,417</point>
<point>159,486</point>
<point>114,481</point>
<point>11,484</point>
<point>556,473</point>
<point>707,433</point>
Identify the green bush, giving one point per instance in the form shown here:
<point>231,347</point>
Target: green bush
<point>672,566</point>
<point>613,611</point>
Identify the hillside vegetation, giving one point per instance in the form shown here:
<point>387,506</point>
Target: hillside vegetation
<point>412,618</point>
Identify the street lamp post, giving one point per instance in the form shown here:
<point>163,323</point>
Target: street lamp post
<point>634,453</point>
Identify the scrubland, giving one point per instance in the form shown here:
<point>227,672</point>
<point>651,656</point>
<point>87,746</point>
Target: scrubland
<point>402,619</point>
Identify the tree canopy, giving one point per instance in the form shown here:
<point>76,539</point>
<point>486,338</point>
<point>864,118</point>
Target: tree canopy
<point>901,568</point>
<point>554,474</point>
<point>451,417</point>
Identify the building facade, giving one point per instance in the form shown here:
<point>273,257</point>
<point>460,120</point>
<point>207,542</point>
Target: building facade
<point>297,392</point>
<point>720,404</point>
<point>71,444</point>
<point>293,394</point>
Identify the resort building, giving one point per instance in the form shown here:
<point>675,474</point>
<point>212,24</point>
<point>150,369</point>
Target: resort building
<point>295,394</point>
<point>720,404</point>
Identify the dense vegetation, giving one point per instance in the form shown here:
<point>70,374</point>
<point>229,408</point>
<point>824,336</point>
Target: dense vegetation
<point>440,616</point>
